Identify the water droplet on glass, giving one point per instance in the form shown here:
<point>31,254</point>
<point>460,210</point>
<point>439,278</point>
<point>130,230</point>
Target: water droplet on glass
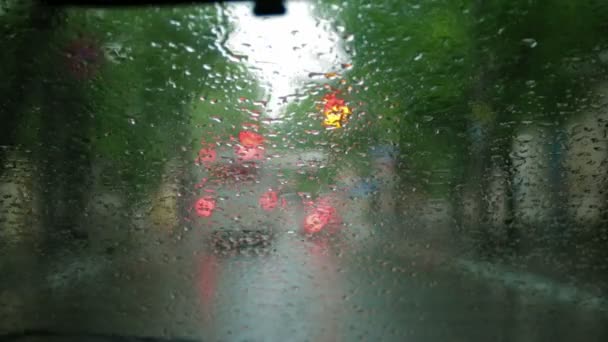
<point>531,42</point>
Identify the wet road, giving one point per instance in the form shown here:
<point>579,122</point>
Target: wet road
<point>298,289</point>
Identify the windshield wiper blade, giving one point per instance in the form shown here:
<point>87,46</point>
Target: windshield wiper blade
<point>262,7</point>
<point>84,337</point>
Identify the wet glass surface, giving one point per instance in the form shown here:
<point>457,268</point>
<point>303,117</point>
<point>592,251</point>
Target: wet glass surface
<point>376,171</point>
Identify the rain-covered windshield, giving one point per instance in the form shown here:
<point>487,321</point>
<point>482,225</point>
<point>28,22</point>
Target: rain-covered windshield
<point>389,170</point>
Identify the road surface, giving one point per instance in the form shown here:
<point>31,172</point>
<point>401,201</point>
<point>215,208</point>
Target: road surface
<point>297,289</point>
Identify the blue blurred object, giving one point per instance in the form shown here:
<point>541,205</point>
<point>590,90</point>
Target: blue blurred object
<point>384,152</point>
<point>364,188</point>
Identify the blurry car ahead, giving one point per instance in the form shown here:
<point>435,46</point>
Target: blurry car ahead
<point>236,195</point>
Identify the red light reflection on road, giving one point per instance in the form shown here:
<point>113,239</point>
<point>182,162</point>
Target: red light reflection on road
<point>206,156</point>
<point>320,214</point>
<point>323,263</point>
<point>204,206</point>
<point>207,285</point>
<point>314,222</point>
<point>269,200</point>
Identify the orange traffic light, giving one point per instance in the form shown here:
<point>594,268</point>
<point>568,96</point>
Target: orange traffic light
<point>335,110</point>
